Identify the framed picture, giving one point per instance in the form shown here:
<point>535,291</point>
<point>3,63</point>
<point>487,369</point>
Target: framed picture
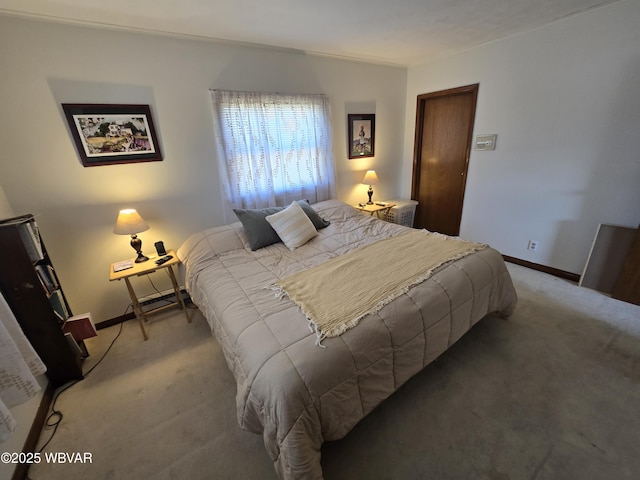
<point>362,133</point>
<point>108,134</point>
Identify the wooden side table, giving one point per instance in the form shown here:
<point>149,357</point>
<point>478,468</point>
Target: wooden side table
<point>146,268</point>
<point>377,209</point>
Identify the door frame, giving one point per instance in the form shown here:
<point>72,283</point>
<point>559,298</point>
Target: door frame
<point>417,144</point>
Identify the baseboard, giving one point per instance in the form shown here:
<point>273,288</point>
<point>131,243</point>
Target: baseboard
<point>574,277</point>
<point>162,296</point>
<point>114,321</point>
<point>31,442</point>
<point>146,303</point>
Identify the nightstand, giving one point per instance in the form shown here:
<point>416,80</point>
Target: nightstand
<point>377,209</point>
<point>146,268</point>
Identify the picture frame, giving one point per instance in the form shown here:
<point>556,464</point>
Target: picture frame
<point>110,134</point>
<point>362,131</point>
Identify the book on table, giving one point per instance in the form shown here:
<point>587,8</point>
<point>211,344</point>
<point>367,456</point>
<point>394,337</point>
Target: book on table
<point>123,265</point>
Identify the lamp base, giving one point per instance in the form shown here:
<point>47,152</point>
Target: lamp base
<point>136,243</point>
<point>370,193</point>
<point>141,258</point>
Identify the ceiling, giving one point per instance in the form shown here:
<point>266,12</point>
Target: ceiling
<point>400,32</point>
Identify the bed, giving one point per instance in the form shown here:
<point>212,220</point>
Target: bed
<point>298,387</point>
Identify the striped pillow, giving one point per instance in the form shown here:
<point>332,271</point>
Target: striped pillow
<point>293,226</point>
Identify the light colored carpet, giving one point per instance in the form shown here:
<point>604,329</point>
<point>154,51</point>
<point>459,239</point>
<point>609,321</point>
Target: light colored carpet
<point>551,393</point>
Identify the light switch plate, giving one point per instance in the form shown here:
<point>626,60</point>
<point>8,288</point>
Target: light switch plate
<point>486,142</point>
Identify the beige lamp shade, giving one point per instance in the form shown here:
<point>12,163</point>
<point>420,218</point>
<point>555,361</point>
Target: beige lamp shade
<point>129,222</point>
<point>370,178</point>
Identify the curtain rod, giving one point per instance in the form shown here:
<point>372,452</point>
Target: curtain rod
<point>268,93</point>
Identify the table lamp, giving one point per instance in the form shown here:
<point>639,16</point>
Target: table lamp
<point>370,178</point>
<point>129,222</point>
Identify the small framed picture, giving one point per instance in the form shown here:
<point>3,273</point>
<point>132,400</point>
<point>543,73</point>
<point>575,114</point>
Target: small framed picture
<point>362,133</point>
<point>108,134</point>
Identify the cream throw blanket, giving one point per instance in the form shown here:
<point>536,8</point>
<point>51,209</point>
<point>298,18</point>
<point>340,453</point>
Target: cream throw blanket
<point>337,294</point>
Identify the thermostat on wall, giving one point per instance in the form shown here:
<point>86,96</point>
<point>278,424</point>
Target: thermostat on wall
<point>486,142</point>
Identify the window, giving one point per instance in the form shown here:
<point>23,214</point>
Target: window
<point>274,148</point>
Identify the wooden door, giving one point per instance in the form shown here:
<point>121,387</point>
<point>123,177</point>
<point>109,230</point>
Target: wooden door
<point>444,130</point>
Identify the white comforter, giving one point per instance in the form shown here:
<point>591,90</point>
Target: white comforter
<point>293,392</point>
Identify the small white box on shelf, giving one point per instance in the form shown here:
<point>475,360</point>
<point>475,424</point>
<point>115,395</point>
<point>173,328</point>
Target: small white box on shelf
<point>403,213</point>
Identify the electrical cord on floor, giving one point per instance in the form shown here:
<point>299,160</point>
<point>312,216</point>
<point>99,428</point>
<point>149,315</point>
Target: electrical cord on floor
<point>55,417</point>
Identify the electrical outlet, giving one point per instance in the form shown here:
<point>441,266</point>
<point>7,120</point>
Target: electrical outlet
<point>533,245</point>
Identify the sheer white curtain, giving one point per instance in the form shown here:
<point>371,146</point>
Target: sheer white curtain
<point>19,366</point>
<point>273,148</point>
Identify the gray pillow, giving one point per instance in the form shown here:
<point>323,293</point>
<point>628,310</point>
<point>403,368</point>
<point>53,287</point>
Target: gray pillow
<point>316,219</point>
<point>260,233</point>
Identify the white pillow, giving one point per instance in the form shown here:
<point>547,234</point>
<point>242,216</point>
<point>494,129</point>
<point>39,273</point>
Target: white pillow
<point>293,226</point>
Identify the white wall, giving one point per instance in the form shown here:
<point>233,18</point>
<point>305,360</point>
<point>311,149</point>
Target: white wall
<point>46,64</point>
<point>564,102</point>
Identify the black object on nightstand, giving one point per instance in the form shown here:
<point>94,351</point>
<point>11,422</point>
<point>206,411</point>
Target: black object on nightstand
<point>164,259</point>
<point>160,248</point>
